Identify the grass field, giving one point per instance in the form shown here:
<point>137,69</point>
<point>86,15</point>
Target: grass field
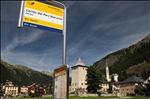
<point>138,97</point>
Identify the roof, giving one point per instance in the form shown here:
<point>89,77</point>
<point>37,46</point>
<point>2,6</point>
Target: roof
<point>147,81</point>
<point>79,62</point>
<point>133,79</point>
<point>115,74</point>
<point>79,66</point>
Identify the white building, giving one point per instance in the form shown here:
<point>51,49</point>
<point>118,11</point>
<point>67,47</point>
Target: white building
<point>10,89</point>
<point>115,77</point>
<point>104,87</point>
<point>24,90</point>
<point>79,71</point>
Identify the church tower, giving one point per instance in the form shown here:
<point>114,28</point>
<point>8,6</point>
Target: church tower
<point>107,73</point>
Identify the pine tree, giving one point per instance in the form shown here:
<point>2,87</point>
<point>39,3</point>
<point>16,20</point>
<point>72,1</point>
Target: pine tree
<point>147,90</point>
<point>94,79</point>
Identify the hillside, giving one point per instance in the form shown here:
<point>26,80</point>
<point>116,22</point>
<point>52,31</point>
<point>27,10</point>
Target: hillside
<point>22,76</point>
<point>126,60</point>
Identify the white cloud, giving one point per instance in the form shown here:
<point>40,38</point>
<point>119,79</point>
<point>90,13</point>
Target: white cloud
<point>24,39</point>
<point>31,60</point>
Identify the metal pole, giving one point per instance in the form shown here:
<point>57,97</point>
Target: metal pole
<point>64,32</point>
<point>64,38</point>
<point>20,22</point>
<point>64,46</point>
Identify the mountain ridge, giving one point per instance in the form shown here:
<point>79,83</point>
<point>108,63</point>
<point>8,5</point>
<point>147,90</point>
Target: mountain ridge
<point>22,75</point>
<point>119,61</point>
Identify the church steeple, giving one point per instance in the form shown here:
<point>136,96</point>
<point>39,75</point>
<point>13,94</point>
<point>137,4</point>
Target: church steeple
<point>107,72</point>
<point>79,62</point>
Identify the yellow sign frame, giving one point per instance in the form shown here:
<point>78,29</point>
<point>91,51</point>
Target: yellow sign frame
<point>43,16</point>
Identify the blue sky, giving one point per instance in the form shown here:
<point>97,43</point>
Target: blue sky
<point>94,29</point>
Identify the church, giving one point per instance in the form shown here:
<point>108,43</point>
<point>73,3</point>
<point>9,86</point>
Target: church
<point>113,77</point>
<point>105,85</point>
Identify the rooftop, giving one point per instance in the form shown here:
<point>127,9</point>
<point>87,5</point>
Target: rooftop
<point>79,62</point>
<point>133,79</point>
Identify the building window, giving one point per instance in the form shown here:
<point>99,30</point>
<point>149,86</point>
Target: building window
<point>81,83</point>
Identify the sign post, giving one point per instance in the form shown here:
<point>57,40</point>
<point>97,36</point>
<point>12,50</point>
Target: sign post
<point>48,16</point>
<point>61,82</point>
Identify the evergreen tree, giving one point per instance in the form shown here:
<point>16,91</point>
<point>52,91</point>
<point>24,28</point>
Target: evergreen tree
<point>94,79</point>
<point>147,89</point>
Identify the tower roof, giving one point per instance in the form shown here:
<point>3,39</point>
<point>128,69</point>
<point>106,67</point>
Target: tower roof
<point>79,62</point>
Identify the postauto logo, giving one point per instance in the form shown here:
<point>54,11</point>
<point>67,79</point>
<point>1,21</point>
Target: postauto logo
<point>31,3</point>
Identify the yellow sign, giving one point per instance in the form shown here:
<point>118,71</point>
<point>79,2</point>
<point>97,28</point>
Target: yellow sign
<point>44,16</point>
<point>60,71</point>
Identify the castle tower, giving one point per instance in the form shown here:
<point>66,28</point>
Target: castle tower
<point>107,73</point>
<point>78,73</point>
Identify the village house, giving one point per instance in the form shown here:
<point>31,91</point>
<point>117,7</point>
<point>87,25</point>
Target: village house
<point>9,89</point>
<point>37,90</point>
<point>127,87</point>
<point>24,90</point>
<point>104,87</point>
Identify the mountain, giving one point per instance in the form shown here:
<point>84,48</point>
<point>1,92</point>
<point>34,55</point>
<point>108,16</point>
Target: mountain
<point>47,73</point>
<point>134,60</point>
<point>22,76</point>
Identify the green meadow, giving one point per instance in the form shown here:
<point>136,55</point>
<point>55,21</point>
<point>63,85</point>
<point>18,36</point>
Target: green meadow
<point>75,97</point>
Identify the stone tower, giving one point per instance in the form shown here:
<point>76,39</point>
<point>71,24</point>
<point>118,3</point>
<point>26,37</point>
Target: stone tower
<point>78,73</point>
